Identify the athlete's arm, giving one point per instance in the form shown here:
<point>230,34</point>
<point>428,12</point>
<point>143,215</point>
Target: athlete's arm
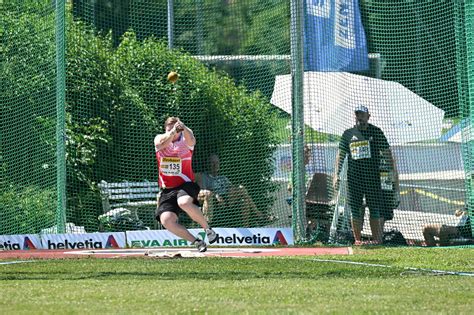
<point>189,137</point>
<point>188,133</point>
<point>164,140</point>
<point>387,153</point>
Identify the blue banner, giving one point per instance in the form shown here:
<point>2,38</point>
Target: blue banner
<point>334,36</point>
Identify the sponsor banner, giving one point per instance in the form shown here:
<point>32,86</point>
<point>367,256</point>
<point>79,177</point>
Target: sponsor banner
<point>159,238</point>
<point>254,236</point>
<point>83,241</point>
<point>334,36</point>
<point>20,242</point>
<point>225,237</point>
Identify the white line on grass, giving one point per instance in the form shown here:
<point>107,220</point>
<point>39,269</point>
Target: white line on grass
<point>441,272</point>
<point>15,262</point>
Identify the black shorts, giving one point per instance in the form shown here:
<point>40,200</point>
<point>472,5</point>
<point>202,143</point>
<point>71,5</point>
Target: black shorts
<point>375,199</point>
<point>168,201</point>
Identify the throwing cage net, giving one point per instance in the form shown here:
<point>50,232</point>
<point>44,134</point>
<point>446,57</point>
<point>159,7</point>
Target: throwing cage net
<point>85,91</point>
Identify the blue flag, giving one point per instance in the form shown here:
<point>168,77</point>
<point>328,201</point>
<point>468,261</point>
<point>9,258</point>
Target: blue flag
<point>334,38</point>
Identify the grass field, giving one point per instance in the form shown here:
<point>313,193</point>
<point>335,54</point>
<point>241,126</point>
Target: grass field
<point>287,285</point>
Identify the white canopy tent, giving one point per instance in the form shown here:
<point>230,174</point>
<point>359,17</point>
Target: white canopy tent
<point>330,98</point>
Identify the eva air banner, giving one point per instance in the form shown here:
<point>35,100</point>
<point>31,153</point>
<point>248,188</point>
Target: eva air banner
<point>334,37</point>
<point>83,241</point>
<point>20,242</point>
<point>225,237</point>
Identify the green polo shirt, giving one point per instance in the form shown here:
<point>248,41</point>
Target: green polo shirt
<point>363,148</point>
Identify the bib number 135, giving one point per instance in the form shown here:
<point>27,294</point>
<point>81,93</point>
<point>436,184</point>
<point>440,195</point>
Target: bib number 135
<point>171,166</point>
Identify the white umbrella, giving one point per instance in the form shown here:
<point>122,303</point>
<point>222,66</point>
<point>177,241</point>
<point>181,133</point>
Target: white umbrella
<point>330,99</point>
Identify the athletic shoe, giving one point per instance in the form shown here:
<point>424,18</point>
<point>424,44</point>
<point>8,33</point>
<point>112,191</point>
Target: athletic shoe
<point>200,244</point>
<point>211,235</point>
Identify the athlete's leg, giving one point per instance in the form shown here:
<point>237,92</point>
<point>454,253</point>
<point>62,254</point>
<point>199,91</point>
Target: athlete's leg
<point>170,222</point>
<point>355,196</point>
<point>376,228</point>
<point>375,202</point>
<point>187,204</point>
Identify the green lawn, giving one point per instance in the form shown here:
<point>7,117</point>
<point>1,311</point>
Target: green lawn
<point>245,285</point>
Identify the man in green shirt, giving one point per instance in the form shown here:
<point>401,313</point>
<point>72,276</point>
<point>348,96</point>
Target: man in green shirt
<point>366,146</point>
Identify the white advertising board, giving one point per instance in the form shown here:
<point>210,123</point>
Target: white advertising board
<point>20,242</point>
<point>225,237</point>
<point>83,241</point>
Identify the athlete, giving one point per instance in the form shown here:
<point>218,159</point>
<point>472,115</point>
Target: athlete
<point>366,146</point>
<point>174,151</point>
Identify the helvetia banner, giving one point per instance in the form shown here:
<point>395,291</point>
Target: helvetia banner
<point>225,236</point>
<point>83,241</point>
<point>20,242</point>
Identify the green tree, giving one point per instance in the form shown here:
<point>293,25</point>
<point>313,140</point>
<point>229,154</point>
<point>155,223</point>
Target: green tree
<point>27,92</point>
<point>27,112</point>
<point>119,98</point>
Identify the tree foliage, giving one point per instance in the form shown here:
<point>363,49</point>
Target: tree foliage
<point>117,98</point>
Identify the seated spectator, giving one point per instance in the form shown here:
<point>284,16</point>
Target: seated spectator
<point>225,204</point>
<point>442,235</point>
<point>316,198</point>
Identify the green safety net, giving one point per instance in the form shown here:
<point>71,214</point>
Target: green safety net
<point>28,116</point>
<point>233,60</point>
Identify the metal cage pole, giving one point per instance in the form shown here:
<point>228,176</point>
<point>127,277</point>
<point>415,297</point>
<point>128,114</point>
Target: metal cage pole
<point>60,116</point>
<point>297,117</point>
<point>170,23</point>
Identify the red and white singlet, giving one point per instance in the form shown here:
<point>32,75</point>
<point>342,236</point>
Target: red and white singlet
<point>175,164</point>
